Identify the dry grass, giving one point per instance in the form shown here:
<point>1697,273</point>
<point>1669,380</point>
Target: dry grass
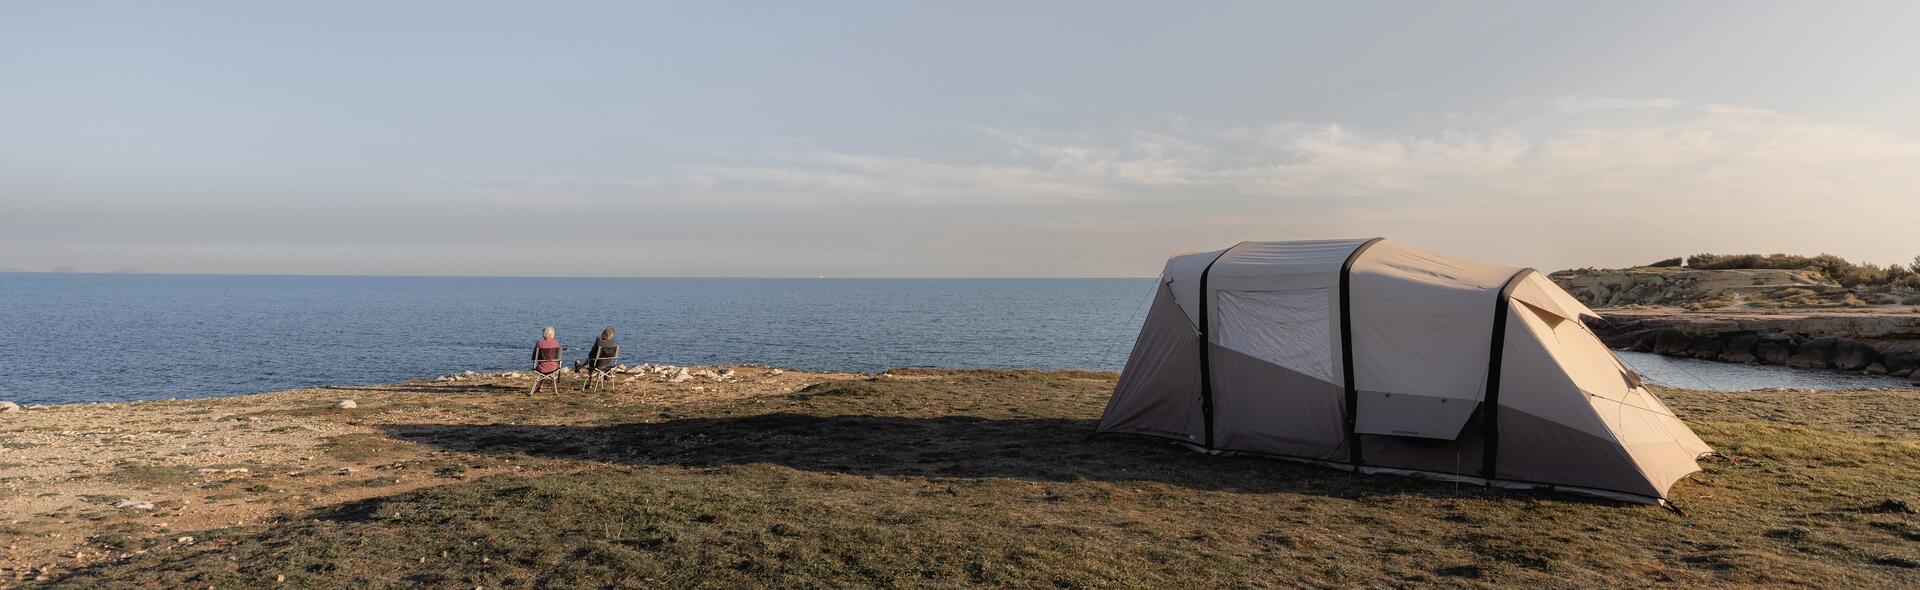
<point>932,478</point>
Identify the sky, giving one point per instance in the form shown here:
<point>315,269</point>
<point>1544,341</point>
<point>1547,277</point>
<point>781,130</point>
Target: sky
<point>944,139</point>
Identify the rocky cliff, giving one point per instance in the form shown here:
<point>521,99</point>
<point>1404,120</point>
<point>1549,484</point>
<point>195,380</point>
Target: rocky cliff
<point>1869,341</point>
<point>1677,286</point>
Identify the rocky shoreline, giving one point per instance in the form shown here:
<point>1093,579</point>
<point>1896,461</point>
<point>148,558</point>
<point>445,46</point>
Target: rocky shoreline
<point>1873,342</point>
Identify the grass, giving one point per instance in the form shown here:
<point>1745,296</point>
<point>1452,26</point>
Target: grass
<point>941,479</point>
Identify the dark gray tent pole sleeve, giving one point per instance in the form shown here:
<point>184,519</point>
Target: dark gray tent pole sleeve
<point>1490,407</point>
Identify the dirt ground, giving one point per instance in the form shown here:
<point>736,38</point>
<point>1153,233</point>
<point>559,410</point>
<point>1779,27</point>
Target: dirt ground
<point>76,477</point>
<point>915,478</point>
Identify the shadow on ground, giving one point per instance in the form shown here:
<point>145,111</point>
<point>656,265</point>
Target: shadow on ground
<point>1040,449</point>
<point>473,388</point>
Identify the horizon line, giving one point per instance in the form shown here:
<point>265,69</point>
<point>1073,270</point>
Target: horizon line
<point>405,276</point>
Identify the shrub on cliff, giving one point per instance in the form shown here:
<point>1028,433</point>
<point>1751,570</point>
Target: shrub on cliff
<point>1675,261</point>
<point>1838,269</point>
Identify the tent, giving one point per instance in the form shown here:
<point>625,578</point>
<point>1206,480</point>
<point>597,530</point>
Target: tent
<point>1381,358</point>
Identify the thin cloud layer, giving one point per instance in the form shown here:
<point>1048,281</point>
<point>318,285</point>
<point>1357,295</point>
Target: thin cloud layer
<point>1551,184</point>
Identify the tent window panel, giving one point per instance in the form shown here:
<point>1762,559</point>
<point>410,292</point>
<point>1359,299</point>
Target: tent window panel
<point>1292,329</point>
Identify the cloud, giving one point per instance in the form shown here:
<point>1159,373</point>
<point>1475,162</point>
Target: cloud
<point>1573,104</point>
<point>1609,182</point>
<point>1668,151</point>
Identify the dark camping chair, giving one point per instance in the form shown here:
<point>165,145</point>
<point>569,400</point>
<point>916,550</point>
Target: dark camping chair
<point>541,355</point>
<point>599,368</point>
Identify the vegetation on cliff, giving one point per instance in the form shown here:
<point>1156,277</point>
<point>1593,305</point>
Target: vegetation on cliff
<point>1760,281</point>
<point>1835,268</point>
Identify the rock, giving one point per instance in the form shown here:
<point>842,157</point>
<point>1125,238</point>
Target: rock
<point>1707,348</point>
<point>1740,349</point>
<point>444,379</point>
<point>184,540</point>
<point>133,505</point>
<point>1901,372</point>
<point>1851,355</point>
<point>682,375</point>
<point>1775,348</point>
<point>1875,369</point>
<point>706,374</point>
<point>726,374</point>
<point>346,404</point>
<point>1914,378</point>
<point>1671,342</point>
<point>1622,339</point>
<point>619,368</point>
<point>469,374</point>
<point>774,372</point>
<point>1900,360</point>
<point>1814,354</point>
<point>9,407</point>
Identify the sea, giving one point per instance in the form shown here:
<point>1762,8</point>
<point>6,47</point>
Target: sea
<point>73,337</point>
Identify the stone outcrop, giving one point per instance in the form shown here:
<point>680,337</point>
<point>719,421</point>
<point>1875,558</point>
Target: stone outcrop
<point>1878,342</point>
<point>1679,286</point>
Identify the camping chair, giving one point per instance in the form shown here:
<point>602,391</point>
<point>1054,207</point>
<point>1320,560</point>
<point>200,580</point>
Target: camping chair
<point>599,368</point>
<point>543,355</point>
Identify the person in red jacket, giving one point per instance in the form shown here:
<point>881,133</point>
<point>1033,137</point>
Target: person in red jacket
<point>546,359</point>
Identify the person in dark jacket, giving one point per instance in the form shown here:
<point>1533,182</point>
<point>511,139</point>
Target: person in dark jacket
<point>601,356</point>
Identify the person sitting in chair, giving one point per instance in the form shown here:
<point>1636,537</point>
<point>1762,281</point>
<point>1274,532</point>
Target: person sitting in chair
<point>600,359</point>
<point>546,360</point>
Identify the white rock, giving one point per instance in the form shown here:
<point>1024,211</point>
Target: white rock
<point>773,372</point>
<point>726,374</point>
<point>619,368</point>
<point>184,540</point>
<point>512,375</point>
<point>346,404</point>
<point>9,407</point>
<point>443,379</point>
<point>133,505</point>
<point>682,375</point>
<point>469,374</point>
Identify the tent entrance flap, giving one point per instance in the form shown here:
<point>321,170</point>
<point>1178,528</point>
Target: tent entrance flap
<point>1405,414</point>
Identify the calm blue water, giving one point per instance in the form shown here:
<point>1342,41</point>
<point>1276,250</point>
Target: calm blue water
<point>98,337</point>
<point>106,337</point>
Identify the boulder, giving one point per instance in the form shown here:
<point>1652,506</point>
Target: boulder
<point>1671,342</point>
<point>726,374</point>
<point>1876,369</point>
<point>1914,378</point>
<point>346,404</point>
<point>1623,339</point>
<point>1814,354</point>
<point>1707,348</point>
<point>682,375</point>
<point>1740,349</point>
<point>9,407</point>
<point>1900,360</point>
<point>1775,348</point>
<point>1851,355</point>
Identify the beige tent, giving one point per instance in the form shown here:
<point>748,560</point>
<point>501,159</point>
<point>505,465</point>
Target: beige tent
<point>1381,358</point>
